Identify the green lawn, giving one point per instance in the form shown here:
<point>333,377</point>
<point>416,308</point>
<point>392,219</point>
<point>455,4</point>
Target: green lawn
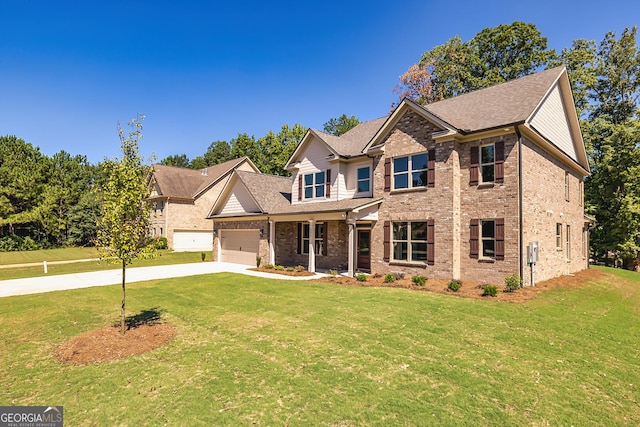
<point>60,254</point>
<point>162,258</point>
<point>269,352</point>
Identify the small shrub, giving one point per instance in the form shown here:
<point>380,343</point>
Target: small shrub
<point>258,261</point>
<point>290,269</point>
<point>161,243</point>
<point>454,285</point>
<point>299,268</point>
<point>512,283</point>
<point>361,277</point>
<point>489,291</point>
<point>333,273</point>
<point>278,268</point>
<point>419,280</point>
<point>203,255</point>
<point>389,278</point>
<point>268,266</point>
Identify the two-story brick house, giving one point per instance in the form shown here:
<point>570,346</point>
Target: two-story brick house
<point>182,198</point>
<point>453,189</point>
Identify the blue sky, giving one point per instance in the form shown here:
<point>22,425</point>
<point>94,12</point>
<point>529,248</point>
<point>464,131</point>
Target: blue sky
<point>202,71</point>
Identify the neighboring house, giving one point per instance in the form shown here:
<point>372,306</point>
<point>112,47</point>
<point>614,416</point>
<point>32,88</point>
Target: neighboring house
<point>454,189</point>
<point>182,198</point>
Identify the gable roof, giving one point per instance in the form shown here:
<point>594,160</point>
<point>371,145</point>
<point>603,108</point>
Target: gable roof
<point>184,183</point>
<point>272,195</point>
<point>347,145</point>
<point>511,104</point>
<point>499,105</point>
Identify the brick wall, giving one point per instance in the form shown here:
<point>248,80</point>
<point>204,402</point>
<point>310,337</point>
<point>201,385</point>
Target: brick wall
<point>337,246</point>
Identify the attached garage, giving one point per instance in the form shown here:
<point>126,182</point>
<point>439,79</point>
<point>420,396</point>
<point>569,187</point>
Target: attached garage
<point>192,241</point>
<point>239,246</point>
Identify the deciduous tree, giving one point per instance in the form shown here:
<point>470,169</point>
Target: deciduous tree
<point>124,224</point>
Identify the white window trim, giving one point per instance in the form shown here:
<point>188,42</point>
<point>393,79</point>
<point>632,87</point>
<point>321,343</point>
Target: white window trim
<point>409,171</point>
<point>318,240</point>
<point>358,180</point>
<point>568,243</point>
<point>558,233</point>
<point>314,185</point>
<point>481,240</point>
<point>408,241</point>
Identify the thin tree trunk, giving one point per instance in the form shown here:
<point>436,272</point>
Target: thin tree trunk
<point>122,328</point>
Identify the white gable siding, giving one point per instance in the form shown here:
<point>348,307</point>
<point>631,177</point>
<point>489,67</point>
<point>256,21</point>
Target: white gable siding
<point>314,159</point>
<point>239,201</point>
<point>551,121</point>
<point>350,181</point>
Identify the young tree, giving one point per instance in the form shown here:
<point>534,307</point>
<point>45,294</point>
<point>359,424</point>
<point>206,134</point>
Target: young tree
<point>123,227</point>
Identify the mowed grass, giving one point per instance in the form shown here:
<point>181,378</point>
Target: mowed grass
<point>49,255</point>
<point>268,352</point>
<point>162,258</point>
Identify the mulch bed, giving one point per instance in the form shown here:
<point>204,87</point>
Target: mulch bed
<point>283,272</point>
<point>107,344</point>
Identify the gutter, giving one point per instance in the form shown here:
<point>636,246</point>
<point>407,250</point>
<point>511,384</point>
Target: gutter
<point>520,219</point>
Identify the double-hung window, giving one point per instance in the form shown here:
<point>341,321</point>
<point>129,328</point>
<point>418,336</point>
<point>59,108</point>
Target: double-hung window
<point>488,241</point>
<point>364,180</point>
<point>567,240</point>
<point>559,236</point>
<point>314,184</point>
<point>487,163</point>
<point>319,238</point>
<point>409,241</point>
<point>410,171</point>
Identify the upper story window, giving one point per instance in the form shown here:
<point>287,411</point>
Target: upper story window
<point>566,186</point>
<point>314,185</point>
<point>364,180</point>
<point>487,163</point>
<point>410,171</point>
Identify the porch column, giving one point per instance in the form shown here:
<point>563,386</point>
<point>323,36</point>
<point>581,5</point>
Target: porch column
<point>352,249</point>
<point>312,245</point>
<point>272,238</point>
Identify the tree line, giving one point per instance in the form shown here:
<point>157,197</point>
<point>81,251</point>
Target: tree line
<point>55,201</point>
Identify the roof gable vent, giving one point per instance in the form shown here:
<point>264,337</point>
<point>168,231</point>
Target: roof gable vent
<point>204,172</point>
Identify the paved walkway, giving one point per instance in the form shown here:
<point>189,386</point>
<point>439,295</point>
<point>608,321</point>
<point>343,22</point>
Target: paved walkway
<point>61,282</point>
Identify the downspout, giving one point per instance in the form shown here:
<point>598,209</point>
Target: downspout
<point>520,219</point>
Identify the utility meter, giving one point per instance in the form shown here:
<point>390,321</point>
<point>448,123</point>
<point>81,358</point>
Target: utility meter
<point>532,253</point>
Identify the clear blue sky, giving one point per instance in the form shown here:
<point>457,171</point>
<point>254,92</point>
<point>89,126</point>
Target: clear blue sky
<point>203,71</point>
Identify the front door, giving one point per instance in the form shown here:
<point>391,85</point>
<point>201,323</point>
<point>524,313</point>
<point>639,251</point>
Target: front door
<point>364,251</point>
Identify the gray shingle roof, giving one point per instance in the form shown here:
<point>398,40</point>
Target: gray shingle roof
<point>352,142</point>
<point>499,105</point>
<point>186,183</point>
<point>273,195</point>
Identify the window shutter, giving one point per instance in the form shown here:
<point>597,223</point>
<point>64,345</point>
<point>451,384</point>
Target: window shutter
<point>299,187</point>
<point>475,161</point>
<point>387,174</point>
<point>499,239</point>
<point>499,153</point>
<point>328,185</point>
<point>431,242</point>
<point>299,250</point>
<point>325,239</point>
<point>387,243</point>
<point>431,169</point>
<point>473,239</point>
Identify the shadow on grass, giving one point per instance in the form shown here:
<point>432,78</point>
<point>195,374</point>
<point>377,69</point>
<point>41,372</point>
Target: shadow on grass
<point>151,316</point>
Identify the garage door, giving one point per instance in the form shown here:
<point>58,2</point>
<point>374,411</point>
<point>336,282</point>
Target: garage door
<point>192,241</point>
<point>239,246</point>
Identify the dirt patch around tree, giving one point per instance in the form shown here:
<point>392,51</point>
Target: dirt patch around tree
<point>471,289</point>
<point>145,333</point>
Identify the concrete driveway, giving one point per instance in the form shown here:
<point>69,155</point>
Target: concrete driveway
<point>61,282</point>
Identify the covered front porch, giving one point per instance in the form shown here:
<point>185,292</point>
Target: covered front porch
<point>326,241</point>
